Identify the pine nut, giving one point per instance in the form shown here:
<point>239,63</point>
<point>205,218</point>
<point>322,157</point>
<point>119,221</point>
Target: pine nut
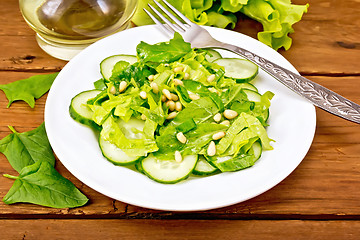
<point>211,78</point>
<point>181,137</point>
<point>193,96</point>
<point>178,157</point>
<point>178,106</point>
<point>213,90</point>
<point>217,117</point>
<point>171,115</point>
<point>174,97</point>
<point>155,87</point>
<point>143,95</point>
<point>163,98</point>
<point>151,77</point>
<point>218,135</point>
<point>178,69</point>
<point>112,89</point>
<point>171,105</point>
<point>166,93</point>
<point>122,86</point>
<point>143,117</point>
<point>178,82</point>
<point>211,151</point>
<point>230,114</point>
<point>186,76</point>
<point>225,122</point>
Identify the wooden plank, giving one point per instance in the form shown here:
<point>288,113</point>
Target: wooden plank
<point>178,229</point>
<point>324,42</point>
<point>325,183</point>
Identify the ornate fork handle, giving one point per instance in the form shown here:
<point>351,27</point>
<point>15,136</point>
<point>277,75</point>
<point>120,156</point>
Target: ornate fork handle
<point>315,93</point>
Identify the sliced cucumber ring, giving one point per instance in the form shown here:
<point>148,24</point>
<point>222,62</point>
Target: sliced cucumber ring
<point>168,171</point>
<point>115,154</point>
<point>212,55</point>
<point>107,65</point>
<point>203,167</point>
<point>80,112</point>
<point>241,70</point>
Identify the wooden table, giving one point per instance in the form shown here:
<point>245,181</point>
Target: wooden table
<point>319,200</point>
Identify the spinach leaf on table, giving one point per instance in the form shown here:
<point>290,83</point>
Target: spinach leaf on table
<point>28,89</point>
<point>41,184</point>
<point>23,149</point>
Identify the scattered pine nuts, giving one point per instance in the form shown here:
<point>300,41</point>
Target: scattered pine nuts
<point>213,90</point>
<point>178,106</point>
<point>171,105</point>
<point>211,151</point>
<point>171,115</point>
<point>163,98</point>
<point>211,78</point>
<point>230,114</point>
<point>218,135</point>
<point>181,137</point>
<point>122,86</point>
<point>178,82</point>
<point>225,122</point>
<point>143,95</point>
<point>193,96</point>
<point>151,77</point>
<point>112,89</point>
<point>178,157</point>
<point>186,76</point>
<point>143,117</point>
<point>155,87</point>
<point>174,97</point>
<point>178,69</point>
<point>166,93</point>
<point>217,117</point>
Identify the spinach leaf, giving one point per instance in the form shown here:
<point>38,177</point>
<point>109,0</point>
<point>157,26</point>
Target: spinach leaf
<point>41,184</point>
<point>23,149</point>
<point>163,52</point>
<point>28,89</point>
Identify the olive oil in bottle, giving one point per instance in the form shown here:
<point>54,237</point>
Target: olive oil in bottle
<point>81,19</point>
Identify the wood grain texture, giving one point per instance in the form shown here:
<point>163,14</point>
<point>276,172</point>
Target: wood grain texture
<point>325,184</point>
<point>325,42</point>
<point>177,229</point>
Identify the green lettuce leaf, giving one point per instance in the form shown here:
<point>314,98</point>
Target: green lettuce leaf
<point>163,52</point>
<point>277,18</point>
<point>28,89</point>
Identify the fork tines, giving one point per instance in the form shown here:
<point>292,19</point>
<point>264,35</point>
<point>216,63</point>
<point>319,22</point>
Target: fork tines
<point>169,27</point>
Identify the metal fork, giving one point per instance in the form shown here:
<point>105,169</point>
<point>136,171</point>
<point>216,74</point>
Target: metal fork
<point>200,38</point>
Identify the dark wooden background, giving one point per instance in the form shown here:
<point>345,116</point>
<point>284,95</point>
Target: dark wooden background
<point>319,200</point>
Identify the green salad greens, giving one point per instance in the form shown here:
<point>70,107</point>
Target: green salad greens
<point>171,111</point>
<point>276,16</point>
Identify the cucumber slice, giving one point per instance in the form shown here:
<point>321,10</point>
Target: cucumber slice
<point>212,55</point>
<point>252,95</point>
<point>203,167</point>
<point>131,130</point>
<point>256,149</point>
<point>79,111</point>
<point>107,65</point>
<point>256,97</point>
<point>248,86</point>
<point>241,70</point>
<point>115,154</point>
<point>168,171</point>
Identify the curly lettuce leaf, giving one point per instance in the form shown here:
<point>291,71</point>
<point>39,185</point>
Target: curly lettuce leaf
<point>276,16</point>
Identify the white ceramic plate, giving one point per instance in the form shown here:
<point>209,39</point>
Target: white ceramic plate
<point>292,124</point>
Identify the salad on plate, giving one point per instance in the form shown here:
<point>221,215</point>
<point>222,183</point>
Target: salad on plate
<point>172,111</point>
